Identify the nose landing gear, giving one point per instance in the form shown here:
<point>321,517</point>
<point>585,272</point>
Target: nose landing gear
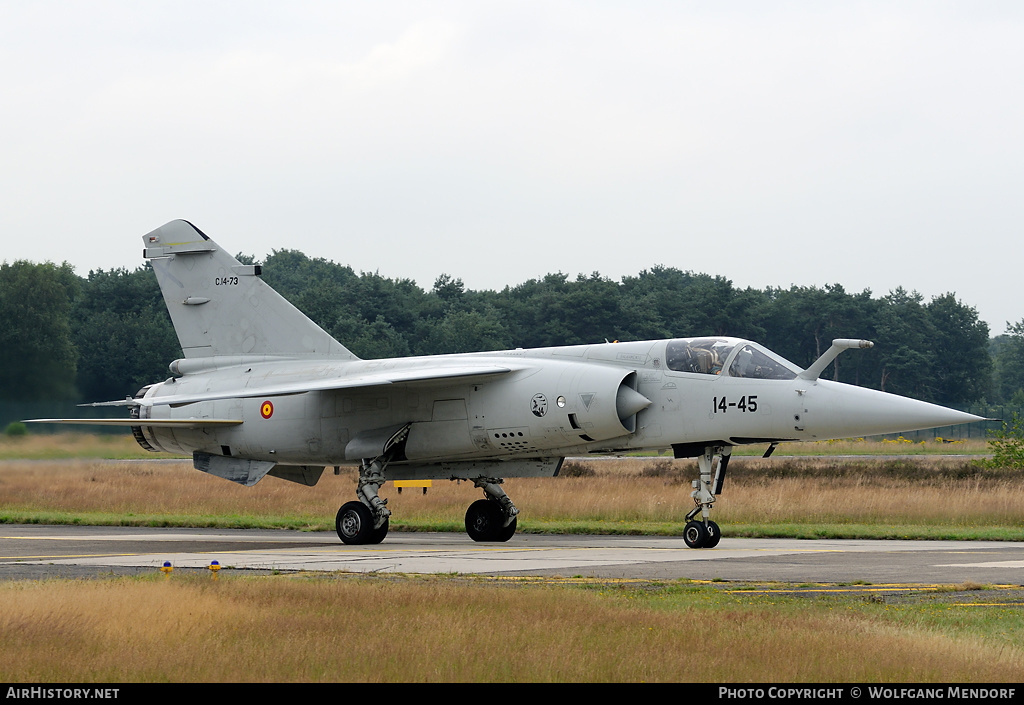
<point>704,533</point>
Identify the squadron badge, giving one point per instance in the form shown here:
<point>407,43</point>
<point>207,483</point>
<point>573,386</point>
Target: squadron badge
<point>539,405</point>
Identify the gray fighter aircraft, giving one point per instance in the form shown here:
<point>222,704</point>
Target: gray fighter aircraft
<point>262,390</point>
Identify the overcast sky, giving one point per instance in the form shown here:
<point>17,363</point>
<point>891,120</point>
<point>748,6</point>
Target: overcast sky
<point>873,145</point>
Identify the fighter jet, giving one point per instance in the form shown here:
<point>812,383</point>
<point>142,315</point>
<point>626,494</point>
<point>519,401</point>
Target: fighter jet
<point>262,390</point>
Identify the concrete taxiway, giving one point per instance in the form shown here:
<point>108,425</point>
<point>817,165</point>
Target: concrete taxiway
<point>34,552</point>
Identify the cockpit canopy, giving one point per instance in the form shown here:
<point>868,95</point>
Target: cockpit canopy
<point>740,358</point>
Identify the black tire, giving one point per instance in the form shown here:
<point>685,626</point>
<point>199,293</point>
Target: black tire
<point>714,535</point>
<point>355,524</point>
<point>504,533</point>
<point>695,534</point>
<point>378,535</point>
<point>484,522</point>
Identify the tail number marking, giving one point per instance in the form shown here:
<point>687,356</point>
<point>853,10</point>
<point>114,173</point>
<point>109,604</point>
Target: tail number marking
<point>226,281</point>
<point>745,404</point>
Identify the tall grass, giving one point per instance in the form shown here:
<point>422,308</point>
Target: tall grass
<point>73,445</point>
<point>624,496</point>
<point>38,446</point>
<point>274,629</point>
<point>875,446</point>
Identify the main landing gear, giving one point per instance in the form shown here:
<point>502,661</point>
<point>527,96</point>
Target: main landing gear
<point>356,524</point>
<point>366,521</point>
<point>704,533</point>
<point>493,518</point>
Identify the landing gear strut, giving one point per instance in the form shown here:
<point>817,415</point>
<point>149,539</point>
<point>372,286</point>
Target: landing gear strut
<point>704,533</point>
<point>367,520</point>
<point>493,518</point>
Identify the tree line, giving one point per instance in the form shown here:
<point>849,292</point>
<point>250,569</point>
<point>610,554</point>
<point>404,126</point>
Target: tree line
<point>106,335</point>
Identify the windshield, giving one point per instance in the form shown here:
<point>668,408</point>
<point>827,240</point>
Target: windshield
<point>756,363</point>
<point>704,356</point>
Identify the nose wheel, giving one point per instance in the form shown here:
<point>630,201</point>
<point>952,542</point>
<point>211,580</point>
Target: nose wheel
<point>697,534</point>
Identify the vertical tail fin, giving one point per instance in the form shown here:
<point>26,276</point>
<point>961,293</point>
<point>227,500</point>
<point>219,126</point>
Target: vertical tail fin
<point>220,306</point>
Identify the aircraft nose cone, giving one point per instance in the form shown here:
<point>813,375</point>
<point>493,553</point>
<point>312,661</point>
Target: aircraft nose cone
<point>835,410</point>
